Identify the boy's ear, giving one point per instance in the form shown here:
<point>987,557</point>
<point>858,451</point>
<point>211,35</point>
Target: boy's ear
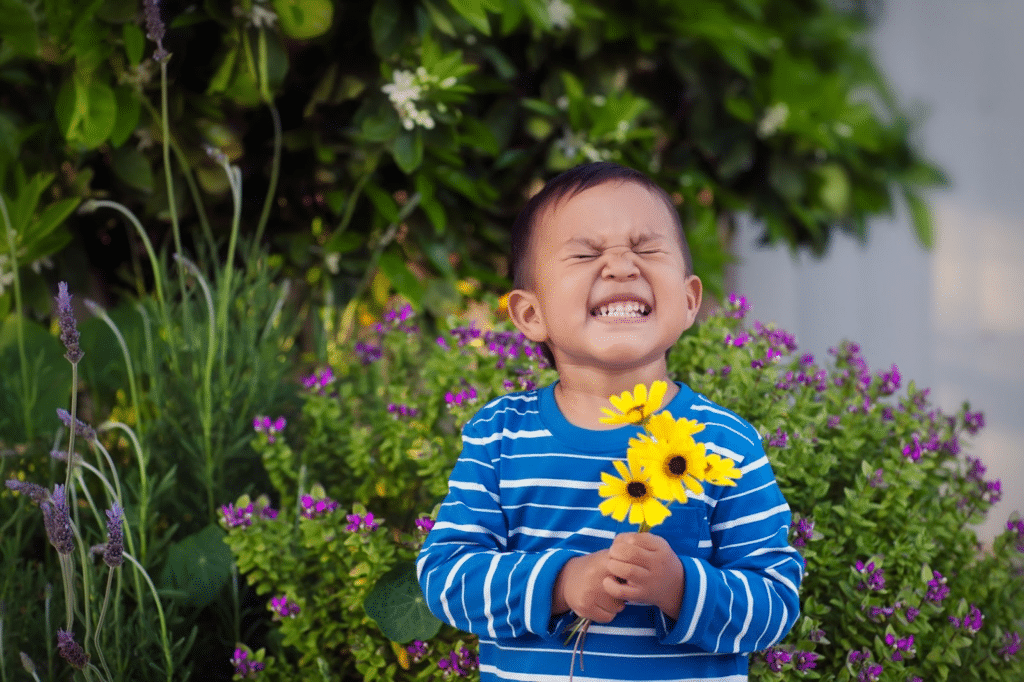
<point>693,293</point>
<point>524,311</point>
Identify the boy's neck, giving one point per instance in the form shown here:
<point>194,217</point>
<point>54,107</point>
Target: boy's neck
<point>581,395</point>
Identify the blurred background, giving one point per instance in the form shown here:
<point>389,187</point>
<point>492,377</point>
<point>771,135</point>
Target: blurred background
<point>951,319</point>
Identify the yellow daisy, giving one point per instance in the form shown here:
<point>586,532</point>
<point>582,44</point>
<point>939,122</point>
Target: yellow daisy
<point>636,407</point>
<point>721,470</point>
<point>631,493</point>
<point>670,455</point>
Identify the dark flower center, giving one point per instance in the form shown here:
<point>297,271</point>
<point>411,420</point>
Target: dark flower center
<point>677,465</point>
<point>636,489</point>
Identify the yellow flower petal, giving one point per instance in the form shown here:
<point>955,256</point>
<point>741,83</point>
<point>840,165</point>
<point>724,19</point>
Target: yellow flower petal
<point>721,470</point>
<point>635,407</point>
<point>631,494</point>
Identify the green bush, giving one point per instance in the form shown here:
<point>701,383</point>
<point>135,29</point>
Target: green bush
<point>884,495</point>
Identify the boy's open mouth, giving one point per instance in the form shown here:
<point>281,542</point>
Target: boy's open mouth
<point>622,310</point>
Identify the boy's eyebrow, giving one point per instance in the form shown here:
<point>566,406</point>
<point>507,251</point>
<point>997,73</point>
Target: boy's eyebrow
<point>634,240</point>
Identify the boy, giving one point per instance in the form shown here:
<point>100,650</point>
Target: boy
<point>603,278</point>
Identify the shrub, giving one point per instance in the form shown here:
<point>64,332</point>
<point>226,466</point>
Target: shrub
<point>883,492</point>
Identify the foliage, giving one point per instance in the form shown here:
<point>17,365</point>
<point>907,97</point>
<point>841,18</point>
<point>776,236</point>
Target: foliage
<point>884,495</point>
<point>402,138</point>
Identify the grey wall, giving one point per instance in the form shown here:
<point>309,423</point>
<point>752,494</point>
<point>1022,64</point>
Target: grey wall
<point>952,319</point>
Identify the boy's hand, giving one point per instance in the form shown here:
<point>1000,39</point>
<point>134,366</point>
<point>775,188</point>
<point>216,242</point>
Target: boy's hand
<point>580,587</point>
<point>652,572</point>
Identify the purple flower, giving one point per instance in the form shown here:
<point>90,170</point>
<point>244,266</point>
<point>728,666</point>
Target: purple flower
<point>779,440</point>
<point>805,660</point>
<point>71,651</point>
<point>465,396</point>
<point>804,532</point>
<point>243,666</point>
<point>319,380</point>
<point>232,517</point>
<point>877,480</point>
<point>912,451</point>
<point>737,306</point>
<point>776,658</point>
<point>937,588</point>
<point>113,553</point>
<point>418,650</point>
<point>974,421</point>
<point>402,410</point>
<point>283,608</point>
<point>870,673</point>
<point>67,324</point>
<point>912,613</point>
<point>973,620</point>
<point>368,353</point>
<point>1012,645</point>
<point>738,341</point>
<point>315,508</point>
<point>81,428</point>
<point>874,578</point>
<point>424,524</point>
<point>271,428</point>
<point>890,381</point>
<point>57,521</point>
<point>902,647</point>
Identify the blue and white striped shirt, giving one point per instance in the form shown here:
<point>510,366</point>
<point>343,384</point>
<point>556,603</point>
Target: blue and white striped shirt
<point>522,500</point>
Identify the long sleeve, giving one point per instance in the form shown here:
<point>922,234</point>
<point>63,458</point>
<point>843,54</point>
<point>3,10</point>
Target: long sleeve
<point>744,597</point>
<point>470,578</point>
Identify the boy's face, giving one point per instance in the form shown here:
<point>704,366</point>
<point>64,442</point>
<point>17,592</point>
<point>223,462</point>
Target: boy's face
<point>609,287</point>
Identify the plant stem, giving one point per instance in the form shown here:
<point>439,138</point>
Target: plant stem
<point>165,128</point>
<point>160,612</point>
<point>27,399</point>
<point>275,170</point>
<point>99,623</point>
<point>71,428</point>
<point>143,481</point>
<point>93,204</point>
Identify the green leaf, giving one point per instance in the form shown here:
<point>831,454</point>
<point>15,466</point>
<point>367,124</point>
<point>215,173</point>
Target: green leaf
<point>304,19</point>
<point>401,278</point>
<point>475,13</point>
<point>132,168</point>
<point>18,28</point>
<point>921,216</point>
<point>385,27</point>
<point>128,110</point>
<point>200,565</point>
<point>86,112</point>
<point>407,149</point>
<point>397,605</point>
<point>134,43</point>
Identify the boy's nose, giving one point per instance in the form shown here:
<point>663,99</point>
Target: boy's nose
<point>620,265</point>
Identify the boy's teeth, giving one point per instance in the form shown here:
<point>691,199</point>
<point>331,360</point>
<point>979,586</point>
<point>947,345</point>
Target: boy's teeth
<point>623,309</point>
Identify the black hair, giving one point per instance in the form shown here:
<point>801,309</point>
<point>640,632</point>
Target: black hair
<point>566,185</point>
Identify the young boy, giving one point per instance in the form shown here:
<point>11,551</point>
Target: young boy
<point>603,278</point>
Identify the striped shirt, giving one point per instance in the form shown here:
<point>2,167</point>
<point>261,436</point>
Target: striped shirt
<point>523,500</point>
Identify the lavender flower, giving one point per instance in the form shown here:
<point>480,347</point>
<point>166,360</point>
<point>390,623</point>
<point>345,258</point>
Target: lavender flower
<point>912,451</point>
<point>804,532</point>
<point>113,554</point>
<point>424,524</point>
<point>974,421</point>
<point>155,29</point>
<point>358,522</point>
<point>319,380</point>
<point>68,326</point>
<point>890,381</point>
<point>779,440</point>
<point>232,517</point>
<point>71,651</point>
<point>368,353</point>
<point>402,410</point>
<point>36,493</point>
<point>82,429</point>
<point>903,647</point>
<point>737,306</point>
<point>57,521</point>
<point>243,666</point>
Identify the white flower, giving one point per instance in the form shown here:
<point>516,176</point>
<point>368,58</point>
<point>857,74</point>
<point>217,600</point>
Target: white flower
<point>773,119</point>
<point>262,17</point>
<point>560,13</point>
<point>403,88</point>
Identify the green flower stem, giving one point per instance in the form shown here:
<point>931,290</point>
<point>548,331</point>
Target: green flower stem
<point>83,553</point>
<point>93,204</point>
<point>206,417</point>
<point>3,654</point>
<point>133,384</point>
<point>47,620</point>
<point>27,397</point>
<point>275,171</point>
<point>143,481</point>
<point>160,613</point>
<point>99,623</point>
<point>165,128</point>
<point>71,428</point>
<point>235,180</point>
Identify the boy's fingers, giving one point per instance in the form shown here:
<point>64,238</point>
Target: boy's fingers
<point>630,572</point>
